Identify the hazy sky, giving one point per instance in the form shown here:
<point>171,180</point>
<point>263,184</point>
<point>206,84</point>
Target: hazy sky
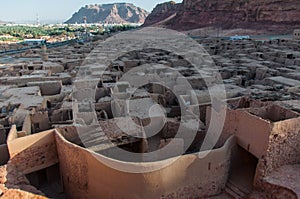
<point>56,10</point>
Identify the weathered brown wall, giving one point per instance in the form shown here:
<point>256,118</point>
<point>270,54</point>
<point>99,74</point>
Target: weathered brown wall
<point>42,119</point>
<point>33,152</point>
<point>273,113</point>
<point>85,176</point>
<point>283,147</point>
<point>284,144</point>
<point>27,124</point>
<point>251,131</point>
<point>48,87</point>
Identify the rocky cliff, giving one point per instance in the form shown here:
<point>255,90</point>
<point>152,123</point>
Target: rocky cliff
<point>271,15</point>
<point>162,12</point>
<point>110,13</point>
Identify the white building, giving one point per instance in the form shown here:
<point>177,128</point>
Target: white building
<point>34,42</point>
<point>297,34</point>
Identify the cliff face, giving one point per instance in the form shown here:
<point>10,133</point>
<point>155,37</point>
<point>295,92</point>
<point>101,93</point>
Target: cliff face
<point>273,15</point>
<point>110,13</point>
<point>162,12</point>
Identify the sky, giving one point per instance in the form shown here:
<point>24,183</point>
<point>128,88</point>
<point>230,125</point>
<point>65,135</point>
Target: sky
<point>57,10</point>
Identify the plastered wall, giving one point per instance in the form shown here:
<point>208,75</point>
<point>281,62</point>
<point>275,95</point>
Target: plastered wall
<point>33,152</point>
<point>187,177</point>
<point>252,132</point>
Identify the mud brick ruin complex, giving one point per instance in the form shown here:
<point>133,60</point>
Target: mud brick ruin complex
<point>55,143</point>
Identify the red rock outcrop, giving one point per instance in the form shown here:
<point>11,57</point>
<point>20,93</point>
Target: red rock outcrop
<point>278,16</point>
<point>109,13</point>
<point>161,12</point>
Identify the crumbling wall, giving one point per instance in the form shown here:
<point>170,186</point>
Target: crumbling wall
<point>86,174</point>
<point>33,152</point>
<point>282,182</point>
<point>40,121</point>
<point>105,106</point>
<point>269,132</point>
<point>273,113</point>
<point>283,148</point>
<point>14,184</point>
<point>61,115</point>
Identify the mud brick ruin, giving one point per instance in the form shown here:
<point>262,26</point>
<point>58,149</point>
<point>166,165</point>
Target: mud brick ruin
<point>52,146</point>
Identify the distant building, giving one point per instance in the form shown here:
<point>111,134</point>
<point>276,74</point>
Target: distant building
<point>297,34</point>
<point>34,42</point>
<point>239,37</point>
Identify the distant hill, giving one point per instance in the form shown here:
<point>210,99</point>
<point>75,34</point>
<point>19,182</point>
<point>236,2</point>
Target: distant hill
<point>6,22</point>
<point>109,13</point>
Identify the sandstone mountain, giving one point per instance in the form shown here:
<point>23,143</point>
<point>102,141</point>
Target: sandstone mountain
<point>110,13</point>
<point>278,16</point>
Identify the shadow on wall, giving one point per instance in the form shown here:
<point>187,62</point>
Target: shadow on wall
<point>4,157</point>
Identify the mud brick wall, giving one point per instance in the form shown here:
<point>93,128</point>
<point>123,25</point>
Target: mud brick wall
<point>74,168</point>
<point>34,152</point>
<point>252,132</point>
<point>283,148</point>
<point>88,175</point>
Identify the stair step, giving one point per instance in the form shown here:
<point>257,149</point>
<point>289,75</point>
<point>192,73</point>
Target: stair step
<point>241,189</point>
<point>232,193</point>
<point>235,191</point>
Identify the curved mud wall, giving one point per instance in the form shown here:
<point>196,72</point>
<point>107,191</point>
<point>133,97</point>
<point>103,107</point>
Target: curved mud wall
<point>188,177</point>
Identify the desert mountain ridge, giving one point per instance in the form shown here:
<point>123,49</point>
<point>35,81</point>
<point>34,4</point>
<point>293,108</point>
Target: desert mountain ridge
<point>116,13</point>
